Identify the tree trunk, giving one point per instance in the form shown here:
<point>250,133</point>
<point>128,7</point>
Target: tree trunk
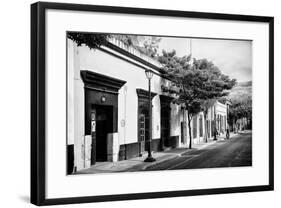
<point>189,130</point>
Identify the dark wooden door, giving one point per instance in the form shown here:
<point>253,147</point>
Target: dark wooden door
<point>183,132</point>
<point>165,125</point>
<point>101,136</point>
<point>104,125</point>
<point>142,132</point>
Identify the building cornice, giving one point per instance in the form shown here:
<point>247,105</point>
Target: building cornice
<point>133,53</point>
<point>101,82</point>
<point>144,94</point>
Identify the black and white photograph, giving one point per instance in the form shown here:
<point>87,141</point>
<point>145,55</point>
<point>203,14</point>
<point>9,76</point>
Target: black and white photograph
<point>157,103</point>
<point>133,103</point>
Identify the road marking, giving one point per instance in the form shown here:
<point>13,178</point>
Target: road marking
<point>189,155</point>
<point>194,156</point>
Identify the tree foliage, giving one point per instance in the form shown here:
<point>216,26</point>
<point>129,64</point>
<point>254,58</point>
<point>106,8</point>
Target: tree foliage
<point>198,82</point>
<point>241,98</point>
<point>241,109</point>
<point>92,40</point>
<point>147,45</point>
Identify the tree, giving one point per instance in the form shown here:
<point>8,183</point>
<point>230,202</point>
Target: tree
<point>151,45</point>
<point>92,40</point>
<point>147,45</point>
<point>219,83</point>
<point>130,40</point>
<point>241,109</point>
<point>197,82</point>
<point>241,98</point>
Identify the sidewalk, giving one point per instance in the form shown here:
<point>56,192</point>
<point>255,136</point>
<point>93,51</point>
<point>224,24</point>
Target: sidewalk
<point>138,164</point>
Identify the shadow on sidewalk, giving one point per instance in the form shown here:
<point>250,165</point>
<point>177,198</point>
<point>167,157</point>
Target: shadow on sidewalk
<point>138,164</point>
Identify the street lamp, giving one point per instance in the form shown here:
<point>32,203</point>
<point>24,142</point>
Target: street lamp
<point>149,158</point>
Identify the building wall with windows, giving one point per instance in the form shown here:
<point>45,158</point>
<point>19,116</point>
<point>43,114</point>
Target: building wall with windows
<point>107,97</point>
<point>198,128</point>
<point>215,122</point>
<point>110,83</point>
<point>221,114</point>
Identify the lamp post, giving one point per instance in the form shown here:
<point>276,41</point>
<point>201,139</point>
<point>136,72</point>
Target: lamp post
<point>149,158</point>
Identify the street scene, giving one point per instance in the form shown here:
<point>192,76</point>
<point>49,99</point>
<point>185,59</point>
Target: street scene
<point>234,152</point>
<point>155,103</point>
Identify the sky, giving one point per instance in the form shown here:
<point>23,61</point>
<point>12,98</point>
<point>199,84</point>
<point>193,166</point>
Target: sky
<point>233,57</point>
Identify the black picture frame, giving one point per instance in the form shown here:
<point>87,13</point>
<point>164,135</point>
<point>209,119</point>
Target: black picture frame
<point>38,102</point>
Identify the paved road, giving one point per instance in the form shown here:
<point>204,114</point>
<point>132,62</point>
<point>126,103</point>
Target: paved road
<point>234,152</point>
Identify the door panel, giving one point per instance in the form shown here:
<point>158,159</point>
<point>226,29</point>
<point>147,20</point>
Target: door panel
<point>183,132</point>
<point>93,135</point>
<point>101,140</point>
<point>103,126</point>
<point>165,125</point>
<point>142,132</point>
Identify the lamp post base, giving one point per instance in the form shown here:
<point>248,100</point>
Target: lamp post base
<point>150,159</point>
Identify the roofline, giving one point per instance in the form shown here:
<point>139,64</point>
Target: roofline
<point>133,56</point>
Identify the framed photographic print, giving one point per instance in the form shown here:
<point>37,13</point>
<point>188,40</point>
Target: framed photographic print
<point>131,103</point>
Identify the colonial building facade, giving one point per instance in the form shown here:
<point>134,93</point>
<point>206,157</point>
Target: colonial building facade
<point>107,107</point>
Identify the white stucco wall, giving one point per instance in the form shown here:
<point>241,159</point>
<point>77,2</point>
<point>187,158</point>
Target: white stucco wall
<point>175,129</point>
<point>75,108</point>
<point>198,139</point>
<point>70,93</point>
<point>82,58</point>
<point>104,63</point>
<point>221,109</point>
